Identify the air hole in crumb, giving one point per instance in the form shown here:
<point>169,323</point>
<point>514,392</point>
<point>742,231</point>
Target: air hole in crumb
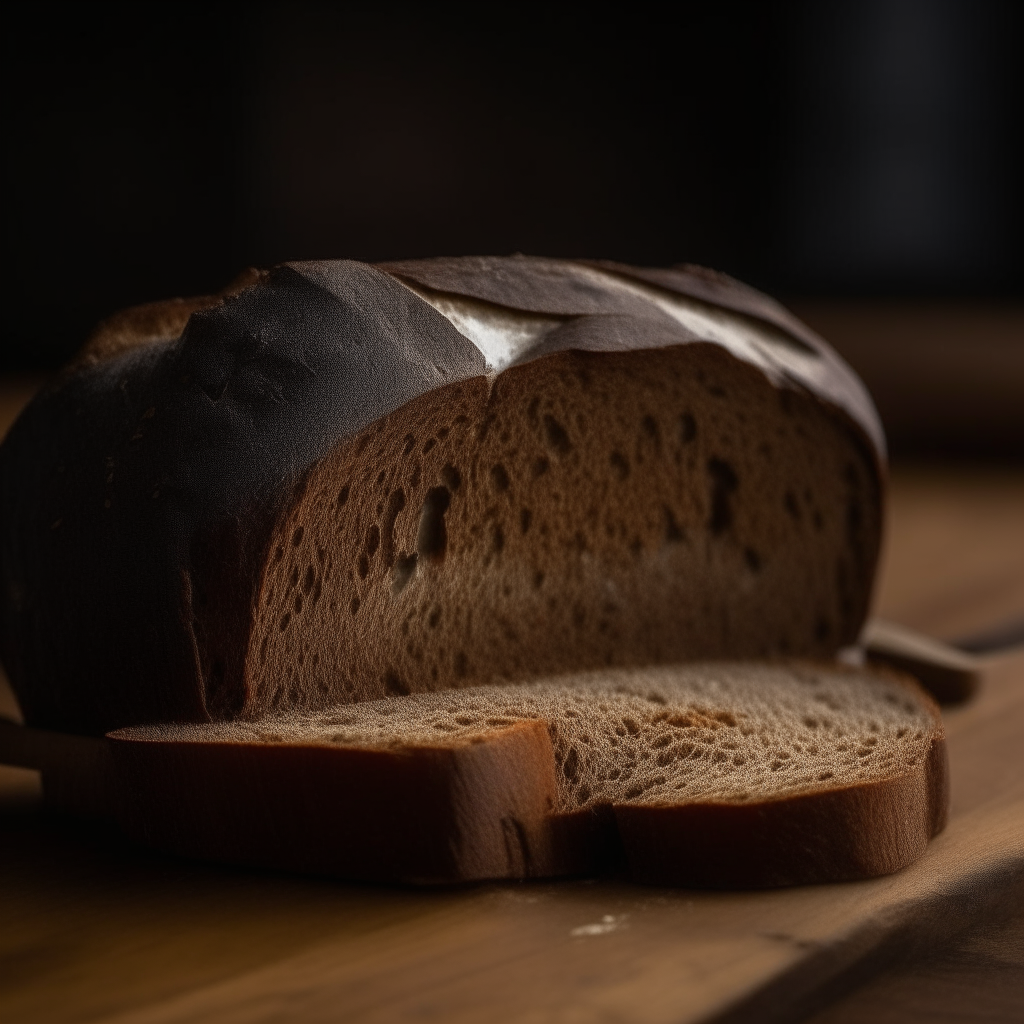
<point>308,580</point>
<point>525,518</point>
<point>394,683</point>
<point>673,531</point>
<point>432,538</point>
<point>650,428</point>
<point>354,606</point>
<point>540,467</point>
<point>499,477</point>
<point>497,539</point>
<point>396,502</point>
<point>791,506</point>
<point>557,438</point>
<point>404,570</point>
<point>285,619</point>
<point>429,444</point>
<point>571,765</point>
<point>452,477</point>
<point>687,427</point>
<point>410,443</point>
<point>297,536</point>
<point>363,566</point>
<point>723,485</point>
<point>620,464</point>
<point>753,559</point>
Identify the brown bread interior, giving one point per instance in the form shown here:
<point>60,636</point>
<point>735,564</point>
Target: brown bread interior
<point>581,510</point>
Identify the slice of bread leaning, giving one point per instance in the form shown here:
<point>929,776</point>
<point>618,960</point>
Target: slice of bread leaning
<point>714,774</point>
<point>338,482</point>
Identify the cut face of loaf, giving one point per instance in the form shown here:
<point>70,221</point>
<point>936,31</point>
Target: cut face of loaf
<point>714,774</point>
<point>581,510</point>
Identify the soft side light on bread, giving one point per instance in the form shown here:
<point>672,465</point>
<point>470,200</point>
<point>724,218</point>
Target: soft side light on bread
<point>339,482</point>
<point>710,775</point>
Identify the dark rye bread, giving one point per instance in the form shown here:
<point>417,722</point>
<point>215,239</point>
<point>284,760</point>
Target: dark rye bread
<point>721,774</point>
<point>345,481</point>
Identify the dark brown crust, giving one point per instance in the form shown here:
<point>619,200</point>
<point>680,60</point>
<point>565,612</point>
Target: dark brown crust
<point>424,815</point>
<point>152,322</point>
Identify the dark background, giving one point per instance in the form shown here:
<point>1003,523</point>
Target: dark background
<point>857,149</point>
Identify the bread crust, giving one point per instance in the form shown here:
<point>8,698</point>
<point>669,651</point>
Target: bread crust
<point>836,836</point>
<point>424,815</point>
<point>144,485</point>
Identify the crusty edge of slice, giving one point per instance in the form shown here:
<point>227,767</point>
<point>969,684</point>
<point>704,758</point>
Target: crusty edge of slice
<point>851,832</point>
<point>473,809</point>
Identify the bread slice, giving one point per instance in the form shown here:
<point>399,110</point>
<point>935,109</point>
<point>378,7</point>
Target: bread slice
<point>342,482</point>
<point>716,774</point>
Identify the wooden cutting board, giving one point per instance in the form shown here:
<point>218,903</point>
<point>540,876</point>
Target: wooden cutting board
<point>602,950</point>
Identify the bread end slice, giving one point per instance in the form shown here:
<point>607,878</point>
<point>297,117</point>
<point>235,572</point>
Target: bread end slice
<point>432,813</point>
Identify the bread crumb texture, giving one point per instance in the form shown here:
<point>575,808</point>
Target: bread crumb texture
<point>706,733</point>
<point>578,511</point>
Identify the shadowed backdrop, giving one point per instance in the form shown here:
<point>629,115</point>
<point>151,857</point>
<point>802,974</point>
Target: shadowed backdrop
<point>861,159</point>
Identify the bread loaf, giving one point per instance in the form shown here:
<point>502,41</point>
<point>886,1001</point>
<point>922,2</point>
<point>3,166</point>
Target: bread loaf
<point>339,482</point>
<point>711,775</point>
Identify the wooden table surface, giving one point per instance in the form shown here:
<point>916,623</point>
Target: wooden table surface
<point>93,929</point>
